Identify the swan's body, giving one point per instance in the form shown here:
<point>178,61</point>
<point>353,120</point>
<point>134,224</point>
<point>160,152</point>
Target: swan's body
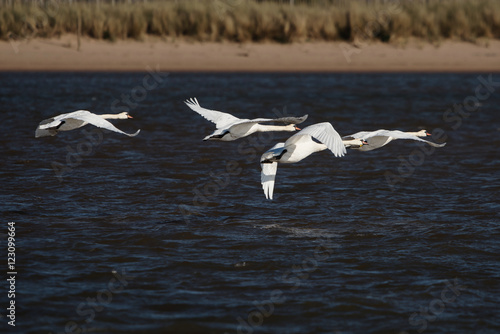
<point>379,138</point>
<point>77,119</point>
<point>298,147</point>
<point>230,128</point>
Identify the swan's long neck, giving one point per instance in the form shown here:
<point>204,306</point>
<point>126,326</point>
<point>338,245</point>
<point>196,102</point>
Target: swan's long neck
<point>418,134</point>
<point>352,142</point>
<point>268,128</point>
<point>110,116</point>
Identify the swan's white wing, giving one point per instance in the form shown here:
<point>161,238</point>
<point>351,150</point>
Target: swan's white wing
<point>268,173</point>
<point>286,120</point>
<point>220,119</point>
<point>87,116</point>
<point>396,134</point>
<point>47,127</point>
<point>56,121</point>
<point>44,129</point>
<point>267,177</point>
<point>48,123</point>
<point>359,135</point>
<point>325,133</point>
<point>272,152</point>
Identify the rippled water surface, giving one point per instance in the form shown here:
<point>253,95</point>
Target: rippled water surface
<point>165,233</point>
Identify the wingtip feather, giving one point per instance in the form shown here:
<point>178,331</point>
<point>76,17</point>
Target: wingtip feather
<point>192,102</point>
<point>133,134</point>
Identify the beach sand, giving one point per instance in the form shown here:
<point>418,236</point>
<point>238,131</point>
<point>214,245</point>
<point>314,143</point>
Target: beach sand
<point>61,54</point>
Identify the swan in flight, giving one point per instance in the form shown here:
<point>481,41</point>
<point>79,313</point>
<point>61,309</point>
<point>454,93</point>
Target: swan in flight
<point>379,138</point>
<point>314,138</point>
<point>230,128</point>
<point>77,119</point>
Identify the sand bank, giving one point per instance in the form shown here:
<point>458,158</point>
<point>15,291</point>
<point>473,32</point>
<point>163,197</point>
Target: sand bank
<point>61,54</point>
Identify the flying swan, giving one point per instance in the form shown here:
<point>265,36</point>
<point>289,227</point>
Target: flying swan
<point>379,138</point>
<point>77,119</point>
<point>298,147</point>
<point>230,128</point>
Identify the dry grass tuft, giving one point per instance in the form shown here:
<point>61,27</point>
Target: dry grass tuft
<point>245,21</point>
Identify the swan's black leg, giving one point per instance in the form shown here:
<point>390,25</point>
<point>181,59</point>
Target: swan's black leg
<point>276,158</point>
<point>281,155</point>
<point>62,122</point>
<point>220,136</point>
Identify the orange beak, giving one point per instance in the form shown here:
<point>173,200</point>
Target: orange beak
<point>297,128</point>
<point>427,133</point>
<point>129,116</point>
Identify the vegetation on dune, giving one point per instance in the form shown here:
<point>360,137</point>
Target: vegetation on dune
<point>245,20</point>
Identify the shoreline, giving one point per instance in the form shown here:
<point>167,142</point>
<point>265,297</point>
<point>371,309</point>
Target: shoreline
<point>61,54</point>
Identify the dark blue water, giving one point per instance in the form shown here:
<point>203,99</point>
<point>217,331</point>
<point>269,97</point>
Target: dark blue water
<point>165,233</point>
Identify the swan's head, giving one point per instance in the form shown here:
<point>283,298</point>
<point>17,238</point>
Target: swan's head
<point>360,142</point>
<point>422,133</point>
<point>123,115</point>
<point>291,127</point>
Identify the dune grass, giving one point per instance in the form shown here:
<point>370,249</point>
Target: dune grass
<point>251,21</point>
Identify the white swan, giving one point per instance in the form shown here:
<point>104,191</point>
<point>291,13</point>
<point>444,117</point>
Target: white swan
<point>379,138</point>
<point>77,119</point>
<point>298,147</point>
<point>230,128</point>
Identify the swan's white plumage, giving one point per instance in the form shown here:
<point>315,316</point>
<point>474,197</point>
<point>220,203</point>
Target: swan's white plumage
<point>74,120</point>
<point>296,148</point>
<point>268,173</point>
<point>221,119</point>
<point>229,127</point>
<point>379,138</point>
<point>325,133</point>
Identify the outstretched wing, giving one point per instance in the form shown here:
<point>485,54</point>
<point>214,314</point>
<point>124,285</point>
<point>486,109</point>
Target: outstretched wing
<point>359,135</point>
<point>268,173</point>
<point>48,127</point>
<point>267,176</point>
<point>323,132</point>
<point>44,128</point>
<point>54,122</point>
<point>221,119</point>
<point>286,120</point>
<point>87,116</point>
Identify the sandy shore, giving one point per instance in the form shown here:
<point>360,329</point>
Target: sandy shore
<point>62,55</point>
